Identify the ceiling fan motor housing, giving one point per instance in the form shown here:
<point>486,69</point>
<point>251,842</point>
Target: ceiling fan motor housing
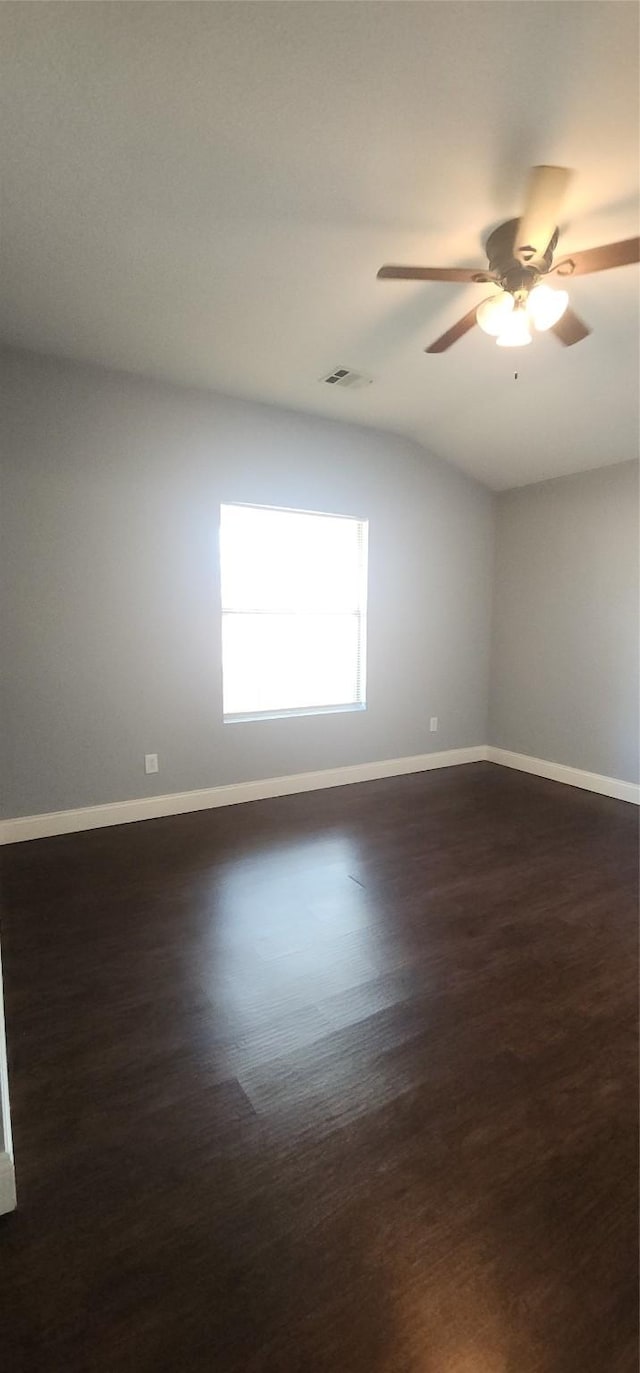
<point>517,273</point>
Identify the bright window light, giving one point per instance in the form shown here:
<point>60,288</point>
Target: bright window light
<point>294,597</point>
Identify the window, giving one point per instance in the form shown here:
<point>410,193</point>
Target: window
<point>294,588</point>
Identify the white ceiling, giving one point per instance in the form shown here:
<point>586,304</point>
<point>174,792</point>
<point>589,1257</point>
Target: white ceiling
<point>204,192</point>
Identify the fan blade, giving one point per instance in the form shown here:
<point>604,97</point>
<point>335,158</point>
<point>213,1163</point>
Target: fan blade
<point>434,274</point>
<point>454,333</point>
<point>545,193</point>
<point>570,328</point>
<point>600,259</point>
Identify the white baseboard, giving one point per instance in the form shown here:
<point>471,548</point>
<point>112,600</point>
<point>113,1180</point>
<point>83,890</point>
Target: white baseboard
<point>560,772</point>
<point>180,802</point>
<point>25,827</point>
<point>7,1184</point>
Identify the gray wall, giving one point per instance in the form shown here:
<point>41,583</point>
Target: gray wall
<point>111,619</point>
<point>564,681</point>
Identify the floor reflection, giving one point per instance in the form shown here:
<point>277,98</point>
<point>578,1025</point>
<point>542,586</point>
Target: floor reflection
<point>287,930</point>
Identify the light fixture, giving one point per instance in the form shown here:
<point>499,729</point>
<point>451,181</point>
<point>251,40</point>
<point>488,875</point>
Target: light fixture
<point>509,316</point>
<point>492,315</point>
<point>545,307</point>
<point>515,331</point>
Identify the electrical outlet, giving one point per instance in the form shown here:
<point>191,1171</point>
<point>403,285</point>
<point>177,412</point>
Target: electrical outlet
<point>151,762</point>
<point>433,724</point>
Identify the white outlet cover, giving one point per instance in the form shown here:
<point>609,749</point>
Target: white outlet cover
<point>433,724</point>
<point>151,762</point>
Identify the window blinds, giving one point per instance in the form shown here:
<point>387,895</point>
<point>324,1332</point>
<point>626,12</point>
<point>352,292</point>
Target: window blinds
<point>293,611</point>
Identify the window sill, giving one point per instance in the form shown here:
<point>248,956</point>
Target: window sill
<point>357,706</point>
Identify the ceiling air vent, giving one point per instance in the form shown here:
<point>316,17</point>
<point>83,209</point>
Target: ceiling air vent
<point>344,376</point>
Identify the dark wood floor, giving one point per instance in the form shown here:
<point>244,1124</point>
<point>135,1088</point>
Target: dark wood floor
<point>340,1082</point>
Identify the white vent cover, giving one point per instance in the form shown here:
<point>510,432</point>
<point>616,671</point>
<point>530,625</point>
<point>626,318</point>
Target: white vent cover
<point>345,376</point>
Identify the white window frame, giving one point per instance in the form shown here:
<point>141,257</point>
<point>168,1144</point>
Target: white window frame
<point>230,718</point>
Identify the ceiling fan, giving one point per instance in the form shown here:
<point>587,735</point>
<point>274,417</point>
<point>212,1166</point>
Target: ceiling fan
<point>520,254</point>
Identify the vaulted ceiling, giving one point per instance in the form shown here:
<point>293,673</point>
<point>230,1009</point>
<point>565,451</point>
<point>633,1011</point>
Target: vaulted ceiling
<point>204,193</point>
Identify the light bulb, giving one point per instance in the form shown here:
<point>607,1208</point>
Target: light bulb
<point>515,331</point>
<point>545,307</point>
<point>494,312</point>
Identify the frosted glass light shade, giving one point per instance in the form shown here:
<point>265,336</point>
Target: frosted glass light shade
<point>515,332</point>
<point>493,313</point>
<point>545,307</point>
